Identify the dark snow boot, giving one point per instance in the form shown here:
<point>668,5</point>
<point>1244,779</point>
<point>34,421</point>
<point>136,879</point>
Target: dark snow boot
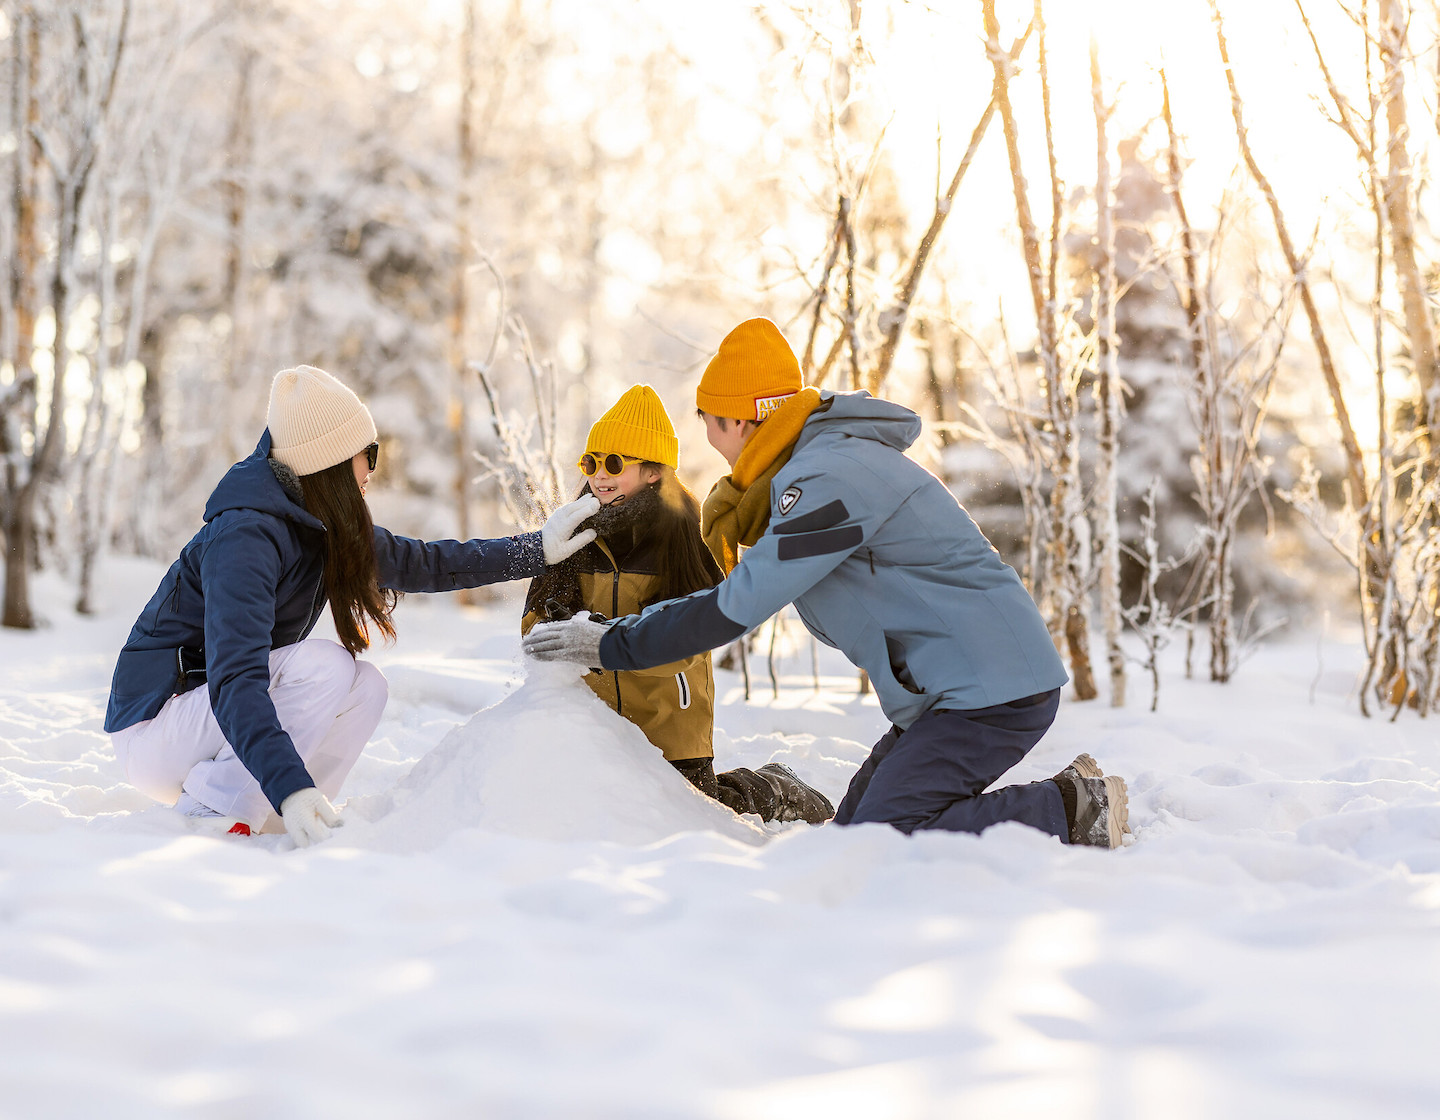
<point>794,800</point>
<point>742,791</point>
<point>1097,810</point>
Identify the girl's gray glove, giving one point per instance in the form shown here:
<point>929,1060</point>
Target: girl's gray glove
<point>309,816</point>
<point>574,639</point>
<point>556,534</point>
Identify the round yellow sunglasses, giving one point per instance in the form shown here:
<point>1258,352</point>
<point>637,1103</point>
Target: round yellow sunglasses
<point>591,463</point>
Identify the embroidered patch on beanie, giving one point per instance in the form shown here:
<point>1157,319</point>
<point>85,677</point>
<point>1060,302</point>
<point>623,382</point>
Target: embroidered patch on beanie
<point>764,406</point>
<point>752,374</point>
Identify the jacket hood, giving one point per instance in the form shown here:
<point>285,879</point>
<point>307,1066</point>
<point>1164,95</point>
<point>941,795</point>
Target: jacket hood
<point>862,416</point>
<point>251,484</point>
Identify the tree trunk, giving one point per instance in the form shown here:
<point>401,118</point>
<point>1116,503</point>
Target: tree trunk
<point>17,520</point>
<point>100,445</point>
<point>72,176</point>
<point>240,145</point>
<point>1382,541</point>
<point>460,286</point>
<point>143,345</point>
<point>21,542</point>
<point>1399,187</point>
<point>144,534</point>
<point>1106,499</point>
<point>88,500</point>
<point>1354,461</point>
<point>1067,559</point>
<point>894,323</point>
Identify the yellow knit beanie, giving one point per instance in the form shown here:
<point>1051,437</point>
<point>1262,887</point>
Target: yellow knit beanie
<point>752,374</point>
<point>636,425</point>
<point>315,421</point>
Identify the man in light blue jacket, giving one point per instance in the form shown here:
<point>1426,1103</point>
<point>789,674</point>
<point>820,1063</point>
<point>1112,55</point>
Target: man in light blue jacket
<point>882,563</point>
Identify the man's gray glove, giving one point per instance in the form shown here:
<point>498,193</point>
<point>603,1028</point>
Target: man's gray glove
<point>574,639</point>
<point>556,533</point>
<point>308,816</point>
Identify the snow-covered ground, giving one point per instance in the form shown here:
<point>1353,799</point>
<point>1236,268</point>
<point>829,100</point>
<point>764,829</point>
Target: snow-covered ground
<point>528,914</point>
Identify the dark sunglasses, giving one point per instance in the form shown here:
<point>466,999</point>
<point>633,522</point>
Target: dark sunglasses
<point>372,455</point>
<point>613,464</point>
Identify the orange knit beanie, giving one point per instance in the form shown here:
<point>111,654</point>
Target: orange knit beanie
<point>636,425</point>
<point>752,374</point>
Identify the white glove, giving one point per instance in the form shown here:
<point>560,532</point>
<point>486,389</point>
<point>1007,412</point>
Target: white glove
<point>555,534</point>
<point>309,816</point>
<point>574,639</point>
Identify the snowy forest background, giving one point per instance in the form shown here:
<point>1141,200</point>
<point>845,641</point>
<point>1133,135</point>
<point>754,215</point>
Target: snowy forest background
<point>1164,295</point>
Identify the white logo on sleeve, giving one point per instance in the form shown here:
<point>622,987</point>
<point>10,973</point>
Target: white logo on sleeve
<point>788,500</point>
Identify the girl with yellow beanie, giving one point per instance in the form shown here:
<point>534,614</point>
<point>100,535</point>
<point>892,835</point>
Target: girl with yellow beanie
<point>222,704</point>
<point>823,509</point>
<point>648,549</point>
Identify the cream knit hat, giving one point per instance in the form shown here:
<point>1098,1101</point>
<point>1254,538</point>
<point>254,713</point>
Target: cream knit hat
<point>315,421</point>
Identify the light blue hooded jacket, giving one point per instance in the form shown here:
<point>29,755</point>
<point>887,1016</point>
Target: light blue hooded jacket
<point>882,563</point>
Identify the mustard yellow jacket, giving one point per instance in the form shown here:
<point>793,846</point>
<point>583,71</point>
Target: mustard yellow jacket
<point>674,704</point>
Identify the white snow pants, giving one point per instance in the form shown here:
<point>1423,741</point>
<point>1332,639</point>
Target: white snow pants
<point>328,703</point>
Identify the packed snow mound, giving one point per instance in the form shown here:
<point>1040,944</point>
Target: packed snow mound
<point>549,762</point>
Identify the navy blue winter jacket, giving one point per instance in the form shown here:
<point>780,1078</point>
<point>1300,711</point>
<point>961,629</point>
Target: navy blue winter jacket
<point>251,581</point>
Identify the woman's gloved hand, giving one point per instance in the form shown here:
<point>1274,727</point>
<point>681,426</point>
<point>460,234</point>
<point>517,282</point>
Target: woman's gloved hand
<point>558,534</point>
<point>575,639</point>
<point>309,817</point>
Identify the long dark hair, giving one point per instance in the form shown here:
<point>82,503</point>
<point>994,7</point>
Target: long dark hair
<point>664,519</point>
<point>333,496</point>
<point>683,560</point>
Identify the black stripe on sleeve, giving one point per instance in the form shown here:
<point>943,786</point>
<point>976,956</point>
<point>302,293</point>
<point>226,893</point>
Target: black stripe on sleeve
<point>804,545</point>
<point>826,517</point>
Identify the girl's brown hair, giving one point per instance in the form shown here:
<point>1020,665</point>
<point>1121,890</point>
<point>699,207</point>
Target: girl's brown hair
<point>351,583</point>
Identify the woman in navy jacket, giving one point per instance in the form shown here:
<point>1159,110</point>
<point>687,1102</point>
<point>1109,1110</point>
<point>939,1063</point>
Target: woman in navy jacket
<point>282,718</point>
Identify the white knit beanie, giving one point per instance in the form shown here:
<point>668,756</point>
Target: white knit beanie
<point>315,421</point>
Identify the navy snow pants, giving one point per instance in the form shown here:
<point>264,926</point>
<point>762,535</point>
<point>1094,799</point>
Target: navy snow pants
<point>933,773</point>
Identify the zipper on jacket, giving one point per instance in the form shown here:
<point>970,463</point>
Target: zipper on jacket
<point>317,603</point>
<point>615,613</point>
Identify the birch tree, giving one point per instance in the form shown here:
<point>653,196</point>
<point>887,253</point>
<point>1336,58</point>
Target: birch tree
<point>1107,391</point>
<point>1394,554</point>
<point>1233,366</point>
<point>1399,197</point>
<point>1354,460</point>
<point>894,318</point>
<point>1067,567</point>
<point>460,284</point>
<point>89,48</point>
<point>236,186</point>
<point>19,401</point>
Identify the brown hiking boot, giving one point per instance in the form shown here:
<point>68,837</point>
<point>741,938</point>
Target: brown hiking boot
<point>1083,767</point>
<point>1096,809</point>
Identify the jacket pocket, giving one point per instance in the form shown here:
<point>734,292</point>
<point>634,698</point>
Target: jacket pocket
<point>684,687</point>
<point>899,668</point>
